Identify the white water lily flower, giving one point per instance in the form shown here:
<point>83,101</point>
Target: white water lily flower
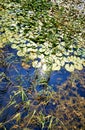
<point>56,67</point>
<point>69,67</point>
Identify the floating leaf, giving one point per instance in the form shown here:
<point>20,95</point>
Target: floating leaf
<point>44,67</point>
<point>14,46</point>
<point>84,63</point>
<point>57,62</point>
<point>56,67</point>
<point>41,50</point>
<point>44,37</point>
<point>1,45</point>
<point>78,66</point>
<point>69,67</point>
<point>24,50</point>
<point>36,64</point>
<point>62,62</point>
<point>32,55</point>
<point>20,53</point>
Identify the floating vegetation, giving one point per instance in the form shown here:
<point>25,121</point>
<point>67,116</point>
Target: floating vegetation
<point>36,38</point>
<point>52,30</point>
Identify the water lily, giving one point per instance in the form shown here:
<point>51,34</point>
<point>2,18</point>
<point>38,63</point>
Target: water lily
<point>32,55</point>
<point>23,45</point>
<point>59,54</point>
<point>20,53</point>
<point>1,45</point>
<point>69,67</point>
<point>14,46</point>
<point>84,63</point>
<point>41,50</point>
<point>78,66</point>
<point>41,56</point>
<point>36,64</point>
<point>57,62</point>
<point>24,50</point>
<point>47,52</point>
<point>48,39</point>
<point>44,67</point>
<point>62,62</point>
<point>56,67</point>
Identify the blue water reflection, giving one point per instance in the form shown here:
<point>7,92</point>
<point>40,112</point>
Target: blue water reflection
<point>58,78</point>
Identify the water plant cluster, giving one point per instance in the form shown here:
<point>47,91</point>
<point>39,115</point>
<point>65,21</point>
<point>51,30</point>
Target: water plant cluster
<point>49,35</point>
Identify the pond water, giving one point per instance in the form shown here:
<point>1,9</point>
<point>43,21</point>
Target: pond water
<point>62,87</point>
<point>33,98</point>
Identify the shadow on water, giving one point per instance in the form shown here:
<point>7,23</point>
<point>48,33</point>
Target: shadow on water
<point>15,75</point>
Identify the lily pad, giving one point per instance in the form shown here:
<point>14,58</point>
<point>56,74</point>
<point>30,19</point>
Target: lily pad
<point>14,46</point>
<point>20,53</point>
<point>69,67</point>
<point>56,67</point>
